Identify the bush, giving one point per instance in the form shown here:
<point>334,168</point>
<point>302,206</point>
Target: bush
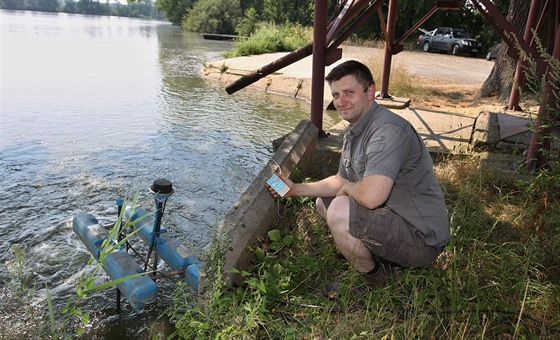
<point>269,37</point>
<point>213,16</point>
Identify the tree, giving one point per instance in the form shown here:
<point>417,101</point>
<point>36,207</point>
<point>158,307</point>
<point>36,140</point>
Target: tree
<point>246,26</point>
<point>213,16</point>
<point>500,80</point>
<point>175,10</point>
<point>294,11</point>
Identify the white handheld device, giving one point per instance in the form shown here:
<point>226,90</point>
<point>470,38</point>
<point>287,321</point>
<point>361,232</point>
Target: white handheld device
<point>278,185</point>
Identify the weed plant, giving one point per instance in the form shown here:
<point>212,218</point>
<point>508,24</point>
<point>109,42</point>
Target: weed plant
<point>498,277</point>
<point>18,310</point>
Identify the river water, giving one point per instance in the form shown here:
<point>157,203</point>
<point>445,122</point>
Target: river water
<point>95,108</point>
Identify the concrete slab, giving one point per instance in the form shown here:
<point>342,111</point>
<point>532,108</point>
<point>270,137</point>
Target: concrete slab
<point>443,132</point>
<point>398,103</point>
<point>486,132</point>
<point>506,132</point>
<point>254,212</point>
<point>511,125</point>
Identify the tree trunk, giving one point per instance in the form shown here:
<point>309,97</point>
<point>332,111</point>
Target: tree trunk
<point>500,79</point>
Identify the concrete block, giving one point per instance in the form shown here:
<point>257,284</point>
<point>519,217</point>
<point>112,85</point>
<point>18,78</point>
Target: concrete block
<point>255,211</point>
<point>486,132</point>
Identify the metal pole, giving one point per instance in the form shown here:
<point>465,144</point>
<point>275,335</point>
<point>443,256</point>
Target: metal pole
<point>120,203</point>
<point>387,58</point>
<point>355,24</point>
<point>418,24</point>
<point>519,78</point>
<point>318,70</point>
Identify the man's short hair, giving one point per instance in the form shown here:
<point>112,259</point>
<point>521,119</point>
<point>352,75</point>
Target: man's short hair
<point>351,67</point>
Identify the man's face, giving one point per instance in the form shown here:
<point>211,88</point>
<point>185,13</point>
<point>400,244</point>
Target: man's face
<point>350,99</point>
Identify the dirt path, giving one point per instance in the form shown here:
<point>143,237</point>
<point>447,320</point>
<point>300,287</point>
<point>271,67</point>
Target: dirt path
<point>456,79</point>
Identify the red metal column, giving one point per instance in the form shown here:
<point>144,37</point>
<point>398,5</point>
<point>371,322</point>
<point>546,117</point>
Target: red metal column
<point>318,71</point>
<point>387,58</point>
<point>519,78</point>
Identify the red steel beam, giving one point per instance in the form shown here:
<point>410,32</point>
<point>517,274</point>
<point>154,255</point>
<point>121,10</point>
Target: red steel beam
<point>509,34</point>
<point>553,22</point>
<point>357,23</point>
<point>417,25</point>
<point>519,77</point>
<point>318,71</point>
<point>254,76</point>
<point>388,54</point>
<point>336,25</point>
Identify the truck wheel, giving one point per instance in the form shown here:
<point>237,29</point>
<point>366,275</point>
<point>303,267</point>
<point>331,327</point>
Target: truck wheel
<point>455,49</point>
<point>426,46</point>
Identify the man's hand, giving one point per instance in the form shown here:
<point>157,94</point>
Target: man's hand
<point>288,182</point>
<point>345,190</point>
<point>370,192</point>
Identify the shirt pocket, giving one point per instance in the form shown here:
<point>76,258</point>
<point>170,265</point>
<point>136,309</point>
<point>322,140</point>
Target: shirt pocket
<point>359,167</point>
<point>350,172</point>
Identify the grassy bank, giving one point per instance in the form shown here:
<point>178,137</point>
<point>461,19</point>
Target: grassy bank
<point>499,277</point>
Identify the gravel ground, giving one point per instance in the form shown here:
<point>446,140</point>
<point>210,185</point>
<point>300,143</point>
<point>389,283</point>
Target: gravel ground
<point>439,67</point>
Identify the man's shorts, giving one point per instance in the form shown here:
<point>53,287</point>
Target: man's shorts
<point>389,236</point>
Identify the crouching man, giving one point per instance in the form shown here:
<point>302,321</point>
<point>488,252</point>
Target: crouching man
<point>385,201</point>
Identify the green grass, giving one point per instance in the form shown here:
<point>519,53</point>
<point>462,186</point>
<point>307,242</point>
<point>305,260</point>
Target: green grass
<point>498,278</point>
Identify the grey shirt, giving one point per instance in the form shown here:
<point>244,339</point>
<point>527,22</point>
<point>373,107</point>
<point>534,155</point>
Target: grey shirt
<point>383,143</point>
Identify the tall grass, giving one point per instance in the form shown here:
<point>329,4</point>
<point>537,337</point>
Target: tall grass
<point>498,278</point>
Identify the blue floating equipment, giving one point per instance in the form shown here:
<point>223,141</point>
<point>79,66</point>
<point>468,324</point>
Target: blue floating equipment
<point>91,233</point>
<point>192,274</point>
<point>171,250</point>
<point>140,291</point>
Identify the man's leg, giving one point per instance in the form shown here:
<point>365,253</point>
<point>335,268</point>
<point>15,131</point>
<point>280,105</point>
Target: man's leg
<point>338,220</point>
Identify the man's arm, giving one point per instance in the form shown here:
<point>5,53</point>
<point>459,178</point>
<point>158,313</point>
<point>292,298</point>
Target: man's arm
<point>327,187</point>
<point>371,192</point>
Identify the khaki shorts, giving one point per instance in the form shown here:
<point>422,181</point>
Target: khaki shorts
<point>388,236</point>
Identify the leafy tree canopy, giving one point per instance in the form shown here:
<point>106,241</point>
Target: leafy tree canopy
<point>242,16</point>
<point>213,16</point>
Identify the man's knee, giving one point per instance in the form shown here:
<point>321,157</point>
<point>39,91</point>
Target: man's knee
<point>339,211</point>
<point>320,207</point>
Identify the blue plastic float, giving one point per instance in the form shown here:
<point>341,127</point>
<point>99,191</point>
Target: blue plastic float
<point>139,291</point>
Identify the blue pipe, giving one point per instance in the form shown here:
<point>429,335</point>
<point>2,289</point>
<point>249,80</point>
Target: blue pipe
<point>139,291</point>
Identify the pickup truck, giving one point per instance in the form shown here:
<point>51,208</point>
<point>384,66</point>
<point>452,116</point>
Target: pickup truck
<point>448,39</point>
